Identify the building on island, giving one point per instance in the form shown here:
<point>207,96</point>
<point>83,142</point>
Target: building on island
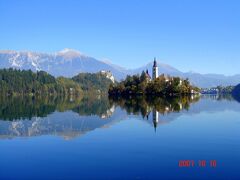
<point>148,76</point>
<point>155,74</point>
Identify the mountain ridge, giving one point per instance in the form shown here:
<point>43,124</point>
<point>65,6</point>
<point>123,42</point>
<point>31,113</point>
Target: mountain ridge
<point>70,62</point>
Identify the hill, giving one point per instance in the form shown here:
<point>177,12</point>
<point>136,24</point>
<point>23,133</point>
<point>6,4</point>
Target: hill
<point>24,82</point>
<point>236,92</point>
<point>93,82</point>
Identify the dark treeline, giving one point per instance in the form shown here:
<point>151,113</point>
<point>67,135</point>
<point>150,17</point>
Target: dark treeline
<point>26,82</point>
<point>14,81</point>
<point>236,92</point>
<point>140,85</point>
<point>25,107</point>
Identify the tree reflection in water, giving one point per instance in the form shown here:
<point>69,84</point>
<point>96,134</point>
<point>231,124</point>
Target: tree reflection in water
<point>73,116</point>
<point>144,105</point>
<point>26,107</point>
<point>153,106</point>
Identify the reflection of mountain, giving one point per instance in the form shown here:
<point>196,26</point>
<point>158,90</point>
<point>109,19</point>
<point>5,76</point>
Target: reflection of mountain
<point>70,119</point>
<point>24,117</point>
<point>65,116</point>
<point>67,124</point>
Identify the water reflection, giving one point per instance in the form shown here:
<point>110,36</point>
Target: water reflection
<point>152,108</point>
<point>65,116</point>
<point>71,117</point>
<point>22,108</point>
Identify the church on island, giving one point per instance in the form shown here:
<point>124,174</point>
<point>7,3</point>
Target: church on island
<point>155,74</point>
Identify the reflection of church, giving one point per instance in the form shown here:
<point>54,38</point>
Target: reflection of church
<point>155,119</point>
<point>155,115</point>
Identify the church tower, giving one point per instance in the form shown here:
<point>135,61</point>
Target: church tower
<point>154,70</point>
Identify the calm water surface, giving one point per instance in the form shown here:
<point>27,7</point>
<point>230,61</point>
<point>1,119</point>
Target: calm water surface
<point>101,138</point>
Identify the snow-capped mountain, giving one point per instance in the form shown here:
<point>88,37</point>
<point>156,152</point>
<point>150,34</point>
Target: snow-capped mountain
<point>69,62</point>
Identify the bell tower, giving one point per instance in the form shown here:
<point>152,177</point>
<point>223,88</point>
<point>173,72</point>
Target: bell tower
<point>155,69</point>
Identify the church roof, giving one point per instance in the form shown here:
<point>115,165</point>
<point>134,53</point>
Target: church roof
<point>147,74</point>
<point>154,63</point>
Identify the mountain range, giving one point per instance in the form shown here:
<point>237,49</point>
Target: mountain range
<point>70,62</point>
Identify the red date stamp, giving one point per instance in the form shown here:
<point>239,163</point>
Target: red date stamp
<point>199,163</point>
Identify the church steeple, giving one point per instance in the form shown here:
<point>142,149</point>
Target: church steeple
<point>155,69</point>
<point>154,62</point>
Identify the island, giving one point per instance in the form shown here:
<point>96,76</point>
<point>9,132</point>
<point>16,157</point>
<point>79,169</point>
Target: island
<point>144,84</point>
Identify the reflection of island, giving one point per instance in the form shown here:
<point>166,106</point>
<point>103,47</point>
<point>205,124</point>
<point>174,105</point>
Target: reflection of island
<point>154,108</point>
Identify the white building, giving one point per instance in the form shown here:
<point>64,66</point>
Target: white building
<point>108,75</point>
<point>155,74</point>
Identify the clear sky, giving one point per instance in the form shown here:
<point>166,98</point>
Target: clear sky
<point>191,35</point>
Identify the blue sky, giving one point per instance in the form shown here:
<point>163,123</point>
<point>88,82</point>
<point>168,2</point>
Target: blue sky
<point>191,35</point>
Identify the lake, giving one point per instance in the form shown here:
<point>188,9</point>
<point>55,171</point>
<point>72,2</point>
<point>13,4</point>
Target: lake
<point>135,138</point>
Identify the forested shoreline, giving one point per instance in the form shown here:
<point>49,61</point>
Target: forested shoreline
<point>27,82</point>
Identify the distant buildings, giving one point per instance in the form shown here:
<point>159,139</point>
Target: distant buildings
<point>218,90</point>
<point>108,75</point>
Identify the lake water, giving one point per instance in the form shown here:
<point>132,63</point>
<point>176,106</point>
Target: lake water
<point>101,138</point>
